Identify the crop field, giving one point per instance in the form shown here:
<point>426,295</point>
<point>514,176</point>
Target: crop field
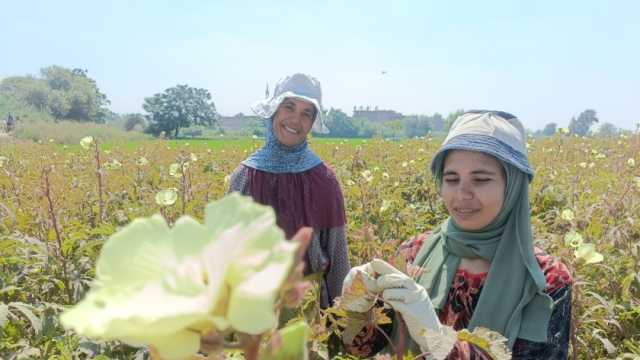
<point>58,204</point>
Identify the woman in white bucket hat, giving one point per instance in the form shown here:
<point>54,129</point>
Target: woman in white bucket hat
<point>479,268</point>
<point>288,176</point>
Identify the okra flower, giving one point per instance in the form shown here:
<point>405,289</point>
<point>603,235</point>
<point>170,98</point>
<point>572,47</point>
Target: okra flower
<point>165,286</point>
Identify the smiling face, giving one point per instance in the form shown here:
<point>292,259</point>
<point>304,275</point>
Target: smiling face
<point>473,188</point>
<point>293,121</point>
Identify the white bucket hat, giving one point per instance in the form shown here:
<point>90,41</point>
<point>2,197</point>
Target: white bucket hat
<point>298,86</point>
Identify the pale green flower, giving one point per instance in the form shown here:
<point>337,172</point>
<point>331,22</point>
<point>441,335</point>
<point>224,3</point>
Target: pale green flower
<point>588,253</point>
<point>174,170</point>
<point>86,142</point>
<point>385,175</point>
<point>142,161</point>
<point>3,159</point>
<point>573,239</point>
<point>193,157</point>
<point>164,286</point>
<point>631,162</point>
<point>167,197</point>
<point>366,175</point>
<point>113,165</point>
<point>583,165</point>
<point>567,214</point>
<point>405,164</point>
<point>293,344</point>
<point>385,205</point>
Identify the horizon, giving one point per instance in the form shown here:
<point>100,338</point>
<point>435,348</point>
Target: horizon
<point>543,62</point>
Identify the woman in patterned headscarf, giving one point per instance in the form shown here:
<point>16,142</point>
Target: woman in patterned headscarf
<point>288,176</point>
<point>480,266</point>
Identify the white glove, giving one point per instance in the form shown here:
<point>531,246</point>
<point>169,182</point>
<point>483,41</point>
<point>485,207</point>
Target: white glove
<point>408,298</point>
<point>363,303</point>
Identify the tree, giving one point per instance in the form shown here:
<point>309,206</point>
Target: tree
<point>59,92</point>
<point>340,125</point>
<point>178,107</point>
<point>583,123</point>
<point>437,122</point>
<point>608,130</point>
<point>550,129</point>
<point>415,126</point>
<point>74,95</point>
<point>133,120</point>
<point>391,129</point>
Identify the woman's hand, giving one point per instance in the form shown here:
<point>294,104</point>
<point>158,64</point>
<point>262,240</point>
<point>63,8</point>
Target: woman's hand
<point>359,289</point>
<point>408,298</point>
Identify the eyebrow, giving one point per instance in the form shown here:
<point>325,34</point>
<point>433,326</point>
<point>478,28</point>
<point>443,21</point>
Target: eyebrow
<point>475,172</point>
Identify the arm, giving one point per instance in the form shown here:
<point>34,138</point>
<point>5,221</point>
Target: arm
<point>239,180</point>
<point>339,265</point>
<point>328,254</point>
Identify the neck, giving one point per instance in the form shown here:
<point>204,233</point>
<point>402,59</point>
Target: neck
<point>475,265</point>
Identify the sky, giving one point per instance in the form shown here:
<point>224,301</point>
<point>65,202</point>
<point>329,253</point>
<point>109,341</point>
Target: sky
<point>544,61</point>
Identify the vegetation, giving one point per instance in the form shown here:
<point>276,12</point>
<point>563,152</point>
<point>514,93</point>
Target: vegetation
<point>179,107</point>
<point>57,207</point>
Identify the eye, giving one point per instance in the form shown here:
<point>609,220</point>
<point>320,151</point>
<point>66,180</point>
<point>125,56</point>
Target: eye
<point>482,180</point>
<point>451,180</point>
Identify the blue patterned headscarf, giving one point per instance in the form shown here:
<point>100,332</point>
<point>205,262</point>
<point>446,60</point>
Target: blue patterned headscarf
<point>276,157</point>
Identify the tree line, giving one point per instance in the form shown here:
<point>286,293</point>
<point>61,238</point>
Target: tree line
<point>60,93</point>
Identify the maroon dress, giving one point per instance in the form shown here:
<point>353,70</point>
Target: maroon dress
<point>309,198</point>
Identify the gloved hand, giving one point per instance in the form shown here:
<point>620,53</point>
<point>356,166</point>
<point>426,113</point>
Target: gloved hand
<point>359,303</point>
<point>408,298</point>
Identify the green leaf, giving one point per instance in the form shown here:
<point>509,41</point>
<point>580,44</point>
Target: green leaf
<point>27,311</point>
<point>4,314</point>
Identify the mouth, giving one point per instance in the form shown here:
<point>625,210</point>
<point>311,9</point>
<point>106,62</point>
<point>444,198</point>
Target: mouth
<point>290,130</point>
<point>465,213</point>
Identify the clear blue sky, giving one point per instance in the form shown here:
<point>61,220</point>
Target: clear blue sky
<point>542,60</point>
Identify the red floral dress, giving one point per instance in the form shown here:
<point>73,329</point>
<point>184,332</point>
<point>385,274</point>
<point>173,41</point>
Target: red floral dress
<point>462,299</point>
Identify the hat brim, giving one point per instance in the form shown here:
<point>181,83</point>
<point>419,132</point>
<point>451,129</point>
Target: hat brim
<point>488,145</point>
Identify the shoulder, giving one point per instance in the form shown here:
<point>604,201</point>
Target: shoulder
<point>556,273</point>
<point>324,180</point>
<point>324,171</point>
<point>240,170</point>
<point>409,249</point>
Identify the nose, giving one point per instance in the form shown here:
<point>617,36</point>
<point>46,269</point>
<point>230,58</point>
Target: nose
<point>464,191</point>
<point>296,119</point>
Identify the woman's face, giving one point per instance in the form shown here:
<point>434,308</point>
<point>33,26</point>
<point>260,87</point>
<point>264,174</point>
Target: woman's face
<point>473,188</point>
<point>293,121</point>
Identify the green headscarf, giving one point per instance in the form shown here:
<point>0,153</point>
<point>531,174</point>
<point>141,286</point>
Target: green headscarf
<point>512,301</point>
